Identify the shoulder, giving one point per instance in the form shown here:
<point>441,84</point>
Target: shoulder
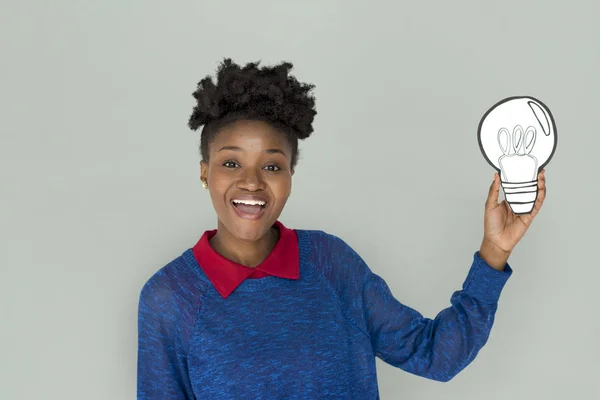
<point>325,244</point>
<point>342,268</point>
<point>329,252</point>
<point>173,284</point>
<point>168,305</point>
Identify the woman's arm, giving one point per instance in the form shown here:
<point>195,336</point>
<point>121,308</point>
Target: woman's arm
<point>162,363</point>
<point>435,348</point>
<point>441,347</point>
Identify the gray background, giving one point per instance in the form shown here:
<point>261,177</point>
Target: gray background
<point>100,175</point>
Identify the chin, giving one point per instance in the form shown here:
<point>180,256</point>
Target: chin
<point>249,231</point>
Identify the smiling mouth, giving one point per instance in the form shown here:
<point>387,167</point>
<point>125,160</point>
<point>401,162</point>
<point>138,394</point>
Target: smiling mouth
<point>249,207</point>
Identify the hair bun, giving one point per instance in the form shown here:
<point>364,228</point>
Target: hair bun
<point>251,91</point>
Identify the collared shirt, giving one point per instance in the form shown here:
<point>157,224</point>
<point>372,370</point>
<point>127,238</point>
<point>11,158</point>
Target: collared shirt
<point>227,275</point>
<point>314,337</point>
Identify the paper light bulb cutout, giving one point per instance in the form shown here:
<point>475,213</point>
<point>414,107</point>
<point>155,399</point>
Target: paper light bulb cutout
<point>517,136</point>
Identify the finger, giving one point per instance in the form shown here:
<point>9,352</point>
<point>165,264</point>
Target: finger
<point>507,206</point>
<point>542,193</point>
<point>542,185</point>
<point>542,180</point>
<point>509,212</point>
<point>492,199</point>
<point>527,219</point>
<point>541,196</point>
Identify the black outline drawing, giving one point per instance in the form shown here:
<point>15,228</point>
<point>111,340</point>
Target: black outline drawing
<point>516,163</point>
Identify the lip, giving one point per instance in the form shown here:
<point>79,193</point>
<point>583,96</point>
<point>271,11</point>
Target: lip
<point>243,215</point>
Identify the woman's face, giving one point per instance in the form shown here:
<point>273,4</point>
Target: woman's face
<point>249,177</point>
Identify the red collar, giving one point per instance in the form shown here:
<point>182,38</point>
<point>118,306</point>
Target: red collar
<point>227,275</point>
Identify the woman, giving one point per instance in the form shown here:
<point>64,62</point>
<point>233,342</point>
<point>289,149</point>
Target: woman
<point>261,311</point>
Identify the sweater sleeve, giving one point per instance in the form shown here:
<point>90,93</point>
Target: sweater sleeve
<point>437,348</point>
<point>164,317</point>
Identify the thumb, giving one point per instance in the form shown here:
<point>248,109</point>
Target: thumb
<point>492,200</point>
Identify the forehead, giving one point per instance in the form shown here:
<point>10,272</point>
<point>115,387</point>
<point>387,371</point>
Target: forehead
<point>250,135</point>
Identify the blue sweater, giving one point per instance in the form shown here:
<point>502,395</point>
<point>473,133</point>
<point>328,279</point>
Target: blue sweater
<point>312,338</point>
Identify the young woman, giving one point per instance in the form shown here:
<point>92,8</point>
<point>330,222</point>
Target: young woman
<point>256,310</point>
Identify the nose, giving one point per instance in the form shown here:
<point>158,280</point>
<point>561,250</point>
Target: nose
<point>251,180</point>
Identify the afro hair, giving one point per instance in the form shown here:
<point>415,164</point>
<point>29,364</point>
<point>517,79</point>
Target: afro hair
<point>251,92</point>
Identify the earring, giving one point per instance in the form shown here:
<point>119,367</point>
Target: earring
<point>204,184</point>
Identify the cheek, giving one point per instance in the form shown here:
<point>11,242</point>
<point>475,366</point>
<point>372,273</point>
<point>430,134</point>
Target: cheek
<point>218,184</point>
<point>281,187</point>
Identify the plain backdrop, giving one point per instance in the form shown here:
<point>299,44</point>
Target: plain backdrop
<point>100,175</point>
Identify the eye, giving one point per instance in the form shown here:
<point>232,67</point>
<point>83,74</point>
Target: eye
<point>230,164</point>
<point>272,168</point>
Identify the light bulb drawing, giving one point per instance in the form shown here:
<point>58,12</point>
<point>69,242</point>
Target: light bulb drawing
<point>518,137</point>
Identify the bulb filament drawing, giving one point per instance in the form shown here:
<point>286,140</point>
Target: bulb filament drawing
<point>518,168</point>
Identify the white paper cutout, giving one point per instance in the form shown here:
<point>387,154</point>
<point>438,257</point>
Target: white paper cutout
<point>517,136</point>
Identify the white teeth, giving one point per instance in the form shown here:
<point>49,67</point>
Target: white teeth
<point>251,202</point>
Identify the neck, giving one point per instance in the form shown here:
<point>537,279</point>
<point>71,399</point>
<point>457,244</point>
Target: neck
<point>250,254</point>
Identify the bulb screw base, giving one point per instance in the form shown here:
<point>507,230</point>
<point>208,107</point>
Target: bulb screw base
<point>520,196</point>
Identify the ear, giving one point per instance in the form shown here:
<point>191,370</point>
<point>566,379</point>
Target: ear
<point>203,170</point>
<point>293,170</point>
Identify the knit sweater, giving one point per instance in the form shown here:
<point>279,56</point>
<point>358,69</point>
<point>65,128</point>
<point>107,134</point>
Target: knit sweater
<point>316,337</point>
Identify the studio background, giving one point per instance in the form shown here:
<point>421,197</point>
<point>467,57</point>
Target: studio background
<point>100,174</point>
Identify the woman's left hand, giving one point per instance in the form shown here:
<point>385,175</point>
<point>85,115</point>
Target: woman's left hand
<point>503,229</point>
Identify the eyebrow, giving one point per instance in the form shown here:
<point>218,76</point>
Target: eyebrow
<point>268,151</point>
